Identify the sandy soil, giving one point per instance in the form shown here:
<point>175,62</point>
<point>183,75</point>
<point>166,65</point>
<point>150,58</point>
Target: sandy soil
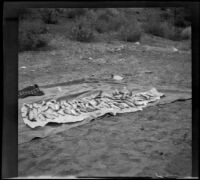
<point>134,144</point>
<point>154,141</point>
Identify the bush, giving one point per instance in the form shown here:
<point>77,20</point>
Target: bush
<point>153,28</point>
<point>182,17</point>
<point>130,32</point>
<point>170,31</point>
<point>31,35</point>
<point>82,31</point>
<point>48,15</point>
<point>165,16</point>
<point>108,20</point>
<point>106,13</point>
<point>162,29</point>
<point>101,20</point>
<point>181,22</point>
<point>102,26</point>
<point>73,13</point>
<point>186,33</point>
<point>115,23</point>
<point>25,13</point>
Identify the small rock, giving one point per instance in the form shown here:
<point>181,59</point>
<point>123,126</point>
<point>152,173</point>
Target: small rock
<point>174,49</point>
<point>23,67</point>
<point>119,48</point>
<point>137,43</point>
<point>117,77</point>
<point>53,53</point>
<point>83,58</point>
<point>159,176</point>
<point>142,128</point>
<point>59,89</point>
<point>148,72</point>
<point>122,59</point>
<point>109,49</point>
<point>100,60</point>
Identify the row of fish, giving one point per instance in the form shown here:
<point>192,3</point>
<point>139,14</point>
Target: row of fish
<point>54,109</point>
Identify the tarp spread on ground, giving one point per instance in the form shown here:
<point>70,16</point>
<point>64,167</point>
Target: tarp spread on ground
<point>86,90</point>
<point>40,114</point>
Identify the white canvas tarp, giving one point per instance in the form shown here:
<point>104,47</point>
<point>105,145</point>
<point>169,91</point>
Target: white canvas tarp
<point>27,130</point>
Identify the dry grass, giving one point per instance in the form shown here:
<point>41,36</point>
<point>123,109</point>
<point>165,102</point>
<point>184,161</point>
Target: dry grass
<point>31,35</point>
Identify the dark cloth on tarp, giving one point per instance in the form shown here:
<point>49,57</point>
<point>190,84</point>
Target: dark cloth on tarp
<point>30,91</point>
<point>84,89</point>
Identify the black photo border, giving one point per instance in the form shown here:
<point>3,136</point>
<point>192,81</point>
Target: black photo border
<point>10,70</point>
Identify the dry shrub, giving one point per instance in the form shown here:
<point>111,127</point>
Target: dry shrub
<point>186,33</point>
<point>73,13</point>
<point>49,15</point>
<point>153,28</point>
<point>106,20</point>
<point>31,35</point>
<point>25,13</point>
<point>170,32</point>
<point>162,29</point>
<point>112,25</point>
<point>130,32</point>
<point>82,31</point>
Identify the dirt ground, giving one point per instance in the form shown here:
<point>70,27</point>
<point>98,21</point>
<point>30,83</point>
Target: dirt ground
<point>155,141</point>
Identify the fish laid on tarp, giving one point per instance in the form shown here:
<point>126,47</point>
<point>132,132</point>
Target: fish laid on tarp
<point>67,111</point>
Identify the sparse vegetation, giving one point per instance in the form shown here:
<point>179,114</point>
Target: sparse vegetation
<point>113,24</point>
<point>48,15</point>
<point>162,29</point>
<point>130,32</point>
<point>153,28</point>
<point>73,13</point>
<point>85,24</point>
<point>182,17</point>
<point>186,33</point>
<point>24,13</point>
<point>31,35</point>
<point>105,20</point>
<point>82,31</point>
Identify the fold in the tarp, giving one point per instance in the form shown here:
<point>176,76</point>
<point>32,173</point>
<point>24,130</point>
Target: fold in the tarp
<point>80,90</point>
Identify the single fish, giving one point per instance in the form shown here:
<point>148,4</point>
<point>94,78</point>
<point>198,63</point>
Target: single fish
<point>61,112</point>
<point>30,115</point>
<point>41,117</point>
